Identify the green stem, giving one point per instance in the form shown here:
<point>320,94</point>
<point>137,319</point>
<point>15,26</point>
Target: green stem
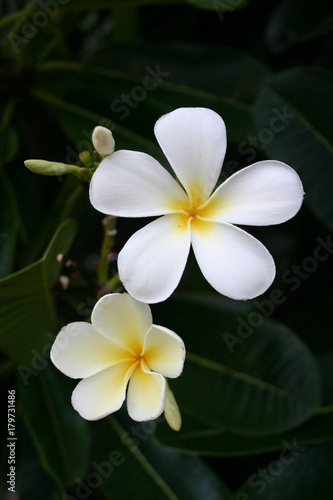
<point>107,244</point>
<point>81,67</point>
<point>67,106</point>
<point>322,410</point>
<point>18,16</point>
<point>91,116</point>
<point>114,283</point>
<point>12,17</point>
<point>19,19</point>
<point>55,42</point>
<point>110,73</point>
<point>8,113</point>
<point>4,124</point>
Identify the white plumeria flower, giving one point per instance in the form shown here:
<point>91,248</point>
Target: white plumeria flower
<point>133,184</point>
<point>120,347</point>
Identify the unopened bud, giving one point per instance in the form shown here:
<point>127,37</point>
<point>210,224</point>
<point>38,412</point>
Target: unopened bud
<point>171,410</point>
<point>103,140</point>
<point>45,167</point>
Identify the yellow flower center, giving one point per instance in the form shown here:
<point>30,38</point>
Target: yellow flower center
<point>196,211</point>
<point>140,360</point>
<point>200,209</point>
<point>192,212</point>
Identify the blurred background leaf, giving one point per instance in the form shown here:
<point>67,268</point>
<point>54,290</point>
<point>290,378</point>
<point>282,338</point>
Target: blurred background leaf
<point>306,474</point>
<point>154,472</point>
<point>60,435</point>
<point>197,436</point>
<point>306,141</point>
<point>297,21</point>
<point>218,4</point>
<point>30,472</point>
<point>235,359</point>
<point>9,225</point>
<point>27,309</point>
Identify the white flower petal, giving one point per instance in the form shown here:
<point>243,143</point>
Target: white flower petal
<point>153,259</point>
<point>267,192</point>
<point>133,184</point>
<point>233,262</point>
<point>164,351</point>
<point>104,393</point>
<point>194,142</point>
<point>123,320</point>
<point>145,395</point>
<point>79,351</point>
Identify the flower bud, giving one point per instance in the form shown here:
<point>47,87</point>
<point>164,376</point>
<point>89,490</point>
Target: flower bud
<point>171,410</point>
<point>103,140</point>
<point>44,167</point>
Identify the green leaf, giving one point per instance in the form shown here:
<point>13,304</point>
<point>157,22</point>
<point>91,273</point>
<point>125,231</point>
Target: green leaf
<point>242,372</point>
<point>26,305</point>
<point>294,121</point>
<point>202,439</point>
<point>325,363</point>
<point>302,474</point>
<point>296,21</point>
<point>78,123</point>
<point>59,434</point>
<point>146,82</point>
<point>124,449</point>
<point>9,224</point>
<point>198,437</point>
